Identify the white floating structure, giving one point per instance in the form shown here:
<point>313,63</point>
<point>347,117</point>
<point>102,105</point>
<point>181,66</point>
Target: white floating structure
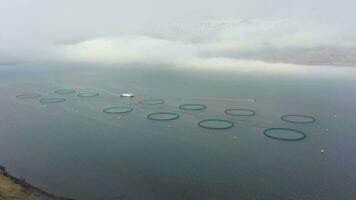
<point>127,95</point>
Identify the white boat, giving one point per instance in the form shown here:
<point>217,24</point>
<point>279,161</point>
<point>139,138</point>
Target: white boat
<point>127,95</point>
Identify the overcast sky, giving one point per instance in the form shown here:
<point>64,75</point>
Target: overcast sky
<point>178,32</point>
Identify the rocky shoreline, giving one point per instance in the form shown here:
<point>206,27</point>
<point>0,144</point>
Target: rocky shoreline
<point>13,188</point>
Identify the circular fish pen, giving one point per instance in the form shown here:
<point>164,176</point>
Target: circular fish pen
<point>285,134</point>
<point>28,96</point>
<point>162,116</point>
<point>216,124</point>
<point>117,110</point>
<point>88,94</point>
<point>52,100</point>
<point>239,112</point>
<point>64,91</point>
<point>151,101</point>
<point>298,119</point>
<point>192,107</point>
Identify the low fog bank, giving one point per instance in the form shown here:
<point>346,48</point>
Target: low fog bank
<point>182,43</point>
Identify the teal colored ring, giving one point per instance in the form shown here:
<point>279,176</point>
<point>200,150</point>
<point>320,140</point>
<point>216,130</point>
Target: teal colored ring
<point>52,100</point>
<point>65,91</point>
<point>231,124</point>
<point>228,112</point>
<point>151,101</point>
<point>107,110</point>
<point>28,96</point>
<point>265,132</point>
<point>88,94</point>
<point>175,116</point>
<point>202,107</point>
<point>285,118</point>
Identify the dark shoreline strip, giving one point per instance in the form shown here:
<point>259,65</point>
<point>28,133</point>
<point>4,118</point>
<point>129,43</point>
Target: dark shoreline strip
<point>30,188</point>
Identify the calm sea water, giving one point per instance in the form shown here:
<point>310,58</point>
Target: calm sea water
<point>74,149</point>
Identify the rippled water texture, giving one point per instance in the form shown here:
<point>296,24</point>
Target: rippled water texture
<point>74,149</point>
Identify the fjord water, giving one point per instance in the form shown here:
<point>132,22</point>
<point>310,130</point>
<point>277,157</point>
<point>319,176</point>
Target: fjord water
<point>74,149</point>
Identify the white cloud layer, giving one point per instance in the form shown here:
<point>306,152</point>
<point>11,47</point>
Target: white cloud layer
<point>197,43</point>
<point>201,34</point>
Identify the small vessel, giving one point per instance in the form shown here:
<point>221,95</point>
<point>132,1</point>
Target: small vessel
<point>127,95</point>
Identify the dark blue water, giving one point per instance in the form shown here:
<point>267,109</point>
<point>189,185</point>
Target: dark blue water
<point>74,149</point>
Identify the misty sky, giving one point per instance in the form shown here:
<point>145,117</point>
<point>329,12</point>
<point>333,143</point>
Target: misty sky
<point>180,32</point>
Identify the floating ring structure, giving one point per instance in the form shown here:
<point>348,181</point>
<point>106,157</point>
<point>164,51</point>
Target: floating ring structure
<point>162,116</point>
<point>28,96</point>
<point>117,110</point>
<point>52,100</point>
<point>285,134</point>
<point>239,112</point>
<point>151,101</point>
<point>216,124</point>
<point>192,107</point>
<point>88,94</point>
<point>64,91</point>
<point>298,119</point>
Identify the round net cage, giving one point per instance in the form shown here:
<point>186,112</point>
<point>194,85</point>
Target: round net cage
<point>285,134</point>
<point>117,110</point>
<point>65,91</point>
<point>239,112</point>
<point>52,100</point>
<point>163,116</point>
<point>216,124</point>
<point>298,119</point>
<point>151,101</point>
<point>192,107</point>
<point>28,96</point>
<point>88,94</point>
